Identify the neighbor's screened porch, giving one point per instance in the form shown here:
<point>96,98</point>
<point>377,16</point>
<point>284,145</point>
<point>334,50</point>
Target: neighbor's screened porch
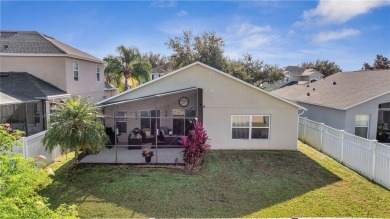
<point>155,122</point>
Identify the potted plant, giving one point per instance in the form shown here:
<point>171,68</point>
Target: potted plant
<point>147,154</point>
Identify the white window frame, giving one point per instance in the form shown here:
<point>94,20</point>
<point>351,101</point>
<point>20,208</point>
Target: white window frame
<point>250,127</point>
<point>75,70</point>
<point>98,72</point>
<point>363,126</point>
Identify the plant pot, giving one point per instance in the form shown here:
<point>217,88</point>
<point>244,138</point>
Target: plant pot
<point>148,159</point>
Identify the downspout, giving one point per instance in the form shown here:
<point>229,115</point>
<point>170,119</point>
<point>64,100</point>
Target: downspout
<point>299,114</point>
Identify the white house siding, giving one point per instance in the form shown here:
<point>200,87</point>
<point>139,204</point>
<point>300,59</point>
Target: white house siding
<point>367,108</point>
<point>332,117</point>
<point>223,97</point>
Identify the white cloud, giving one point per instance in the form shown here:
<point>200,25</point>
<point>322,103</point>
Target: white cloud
<point>182,13</point>
<point>291,32</point>
<point>164,3</point>
<point>336,11</point>
<point>247,28</point>
<point>335,35</point>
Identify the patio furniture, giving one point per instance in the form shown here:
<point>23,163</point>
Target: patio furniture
<point>134,139</point>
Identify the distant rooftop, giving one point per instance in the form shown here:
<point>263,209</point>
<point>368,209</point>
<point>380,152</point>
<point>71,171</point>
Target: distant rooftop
<point>161,68</point>
<point>32,42</point>
<point>294,70</point>
<point>342,90</point>
<point>20,87</point>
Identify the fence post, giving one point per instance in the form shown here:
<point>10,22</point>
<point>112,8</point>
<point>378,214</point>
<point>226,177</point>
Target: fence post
<point>342,146</point>
<point>373,147</point>
<point>321,136</point>
<point>25,148</point>
<point>304,129</point>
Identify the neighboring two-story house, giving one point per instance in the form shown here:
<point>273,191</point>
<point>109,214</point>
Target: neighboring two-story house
<point>295,75</point>
<point>65,67</point>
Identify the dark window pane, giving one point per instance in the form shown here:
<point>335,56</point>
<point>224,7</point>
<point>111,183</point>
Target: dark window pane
<point>260,133</point>
<point>178,126</point>
<point>145,123</point>
<point>240,133</point>
<point>122,127</point>
<point>361,131</point>
<point>260,121</point>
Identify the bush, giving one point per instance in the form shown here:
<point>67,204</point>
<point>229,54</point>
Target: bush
<point>20,179</point>
<point>195,146</point>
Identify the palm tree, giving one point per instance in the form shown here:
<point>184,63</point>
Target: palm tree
<point>112,72</point>
<point>74,125</point>
<point>132,65</point>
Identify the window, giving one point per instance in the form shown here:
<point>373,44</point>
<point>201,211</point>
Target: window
<point>121,122</point>
<point>250,126</point>
<point>361,125</point>
<point>75,70</point>
<point>98,72</point>
<point>286,78</point>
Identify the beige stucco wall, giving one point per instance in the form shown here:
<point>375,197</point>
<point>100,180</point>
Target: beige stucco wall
<point>59,72</point>
<point>223,97</point>
<point>50,69</point>
<point>87,85</point>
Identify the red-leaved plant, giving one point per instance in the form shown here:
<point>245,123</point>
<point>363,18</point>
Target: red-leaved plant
<point>195,146</point>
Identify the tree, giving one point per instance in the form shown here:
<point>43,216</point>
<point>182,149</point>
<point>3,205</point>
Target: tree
<point>20,179</point>
<point>74,126</point>
<point>112,72</point>
<point>380,62</point>
<point>155,59</point>
<point>254,71</point>
<point>132,65</point>
<point>206,48</point>
<point>325,67</point>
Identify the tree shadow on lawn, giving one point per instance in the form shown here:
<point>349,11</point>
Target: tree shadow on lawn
<point>230,184</point>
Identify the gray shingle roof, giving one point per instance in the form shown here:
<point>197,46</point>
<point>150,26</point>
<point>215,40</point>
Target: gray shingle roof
<point>294,70</point>
<point>32,42</point>
<point>351,88</point>
<point>108,86</point>
<point>24,87</point>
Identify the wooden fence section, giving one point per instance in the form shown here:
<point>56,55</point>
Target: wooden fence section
<point>367,157</point>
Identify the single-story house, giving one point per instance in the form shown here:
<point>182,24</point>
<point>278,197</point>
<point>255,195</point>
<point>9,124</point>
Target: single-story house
<point>357,102</point>
<point>296,75</point>
<point>25,101</point>
<point>235,114</point>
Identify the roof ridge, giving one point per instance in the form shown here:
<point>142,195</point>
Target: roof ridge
<point>43,36</point>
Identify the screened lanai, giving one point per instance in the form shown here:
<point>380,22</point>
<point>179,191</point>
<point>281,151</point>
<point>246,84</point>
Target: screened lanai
<point>154,122</point>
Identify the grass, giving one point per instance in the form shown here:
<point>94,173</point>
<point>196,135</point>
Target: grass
<point>230,184</point>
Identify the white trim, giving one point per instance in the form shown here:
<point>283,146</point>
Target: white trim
<point>250,127</point>
<point>208,67</point>
<point>363,126</point>
<point>388,92</point>
<point>52,55</point>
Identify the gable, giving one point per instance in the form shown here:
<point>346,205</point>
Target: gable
<point>216,85</point>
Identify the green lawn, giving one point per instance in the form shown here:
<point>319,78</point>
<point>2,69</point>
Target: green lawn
<point>230,184</point>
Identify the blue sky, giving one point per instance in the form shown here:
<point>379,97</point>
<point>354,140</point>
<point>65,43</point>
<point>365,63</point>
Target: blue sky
<point>348,32</point>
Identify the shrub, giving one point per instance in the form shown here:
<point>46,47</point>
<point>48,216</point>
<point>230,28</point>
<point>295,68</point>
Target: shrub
<point>20,179</point>
<point>195,146</point>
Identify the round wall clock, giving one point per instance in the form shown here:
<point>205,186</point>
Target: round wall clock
<point>183,101</point>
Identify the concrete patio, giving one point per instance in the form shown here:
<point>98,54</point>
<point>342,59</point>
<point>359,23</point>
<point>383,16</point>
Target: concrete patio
<point>121,154</point>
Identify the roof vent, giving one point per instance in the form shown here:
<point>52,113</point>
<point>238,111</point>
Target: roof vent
<point>308,94</point>
<point>334,82</point>
<point>314,89</point>
<point>308,85</point>
<point>3,75</point>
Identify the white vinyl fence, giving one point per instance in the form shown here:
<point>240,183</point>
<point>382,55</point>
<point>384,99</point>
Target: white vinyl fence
<point>32,146</point>
<point>367,157</point>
